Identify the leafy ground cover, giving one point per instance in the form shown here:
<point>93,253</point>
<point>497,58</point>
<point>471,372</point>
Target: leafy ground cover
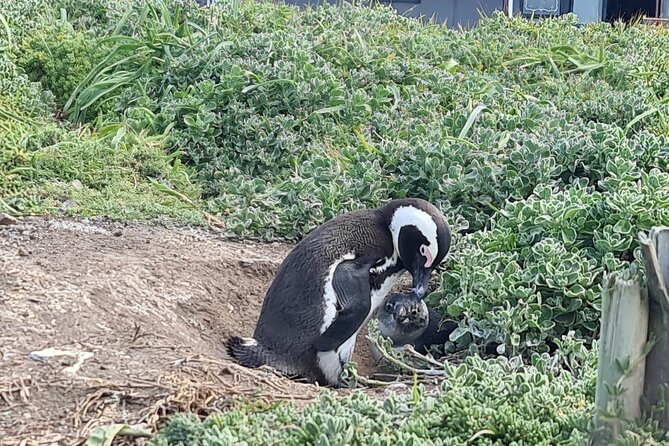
<point>493,402</point>
<point>48,165</point>
<point>546,144</point>
<point>499,400</point>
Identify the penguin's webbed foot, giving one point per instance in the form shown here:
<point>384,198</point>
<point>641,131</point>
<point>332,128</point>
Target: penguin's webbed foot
<point>341,384</point>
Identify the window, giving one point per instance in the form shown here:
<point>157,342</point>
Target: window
<point>540,8</point>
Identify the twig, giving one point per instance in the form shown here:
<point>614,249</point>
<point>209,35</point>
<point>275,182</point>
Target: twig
<point>369,381</point>
<point>402,365</point>
<point>410,349</point>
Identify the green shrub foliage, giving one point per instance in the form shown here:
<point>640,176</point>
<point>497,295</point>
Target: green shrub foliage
<point>48,167</point>
<point>59,57</point>
<point>493,402</point>
<point>501,401</point>
<point>546,144</point>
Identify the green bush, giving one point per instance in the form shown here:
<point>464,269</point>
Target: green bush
<point>502,401</point>
<point>545,143</point>
<point>536,274</point>
<point>99,16</point>
<point>47,168</point>
<point>494,402</point>
<point>59,58</point>
<point>20,96</point>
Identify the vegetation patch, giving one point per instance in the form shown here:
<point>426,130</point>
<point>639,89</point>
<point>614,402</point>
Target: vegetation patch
<point>493,402</point>
<point>485,402</point>
<point>50,166</point>
<point>546,145</point>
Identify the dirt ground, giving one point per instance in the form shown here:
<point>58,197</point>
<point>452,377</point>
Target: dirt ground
<point>104,322</point>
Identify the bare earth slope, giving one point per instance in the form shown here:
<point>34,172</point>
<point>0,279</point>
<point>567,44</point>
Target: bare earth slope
<point>103,322</point>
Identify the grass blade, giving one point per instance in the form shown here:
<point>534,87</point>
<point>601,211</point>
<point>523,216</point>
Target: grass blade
<point>470,121</point>
<point>7,29</point>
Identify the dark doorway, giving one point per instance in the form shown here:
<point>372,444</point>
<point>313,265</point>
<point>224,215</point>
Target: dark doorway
<point>629,10</point>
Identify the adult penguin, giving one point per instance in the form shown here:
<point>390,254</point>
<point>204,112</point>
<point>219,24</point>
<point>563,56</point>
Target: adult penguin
<point>334,279</point>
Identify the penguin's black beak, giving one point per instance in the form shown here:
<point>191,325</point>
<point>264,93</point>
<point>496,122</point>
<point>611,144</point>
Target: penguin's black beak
<point>421,278</point>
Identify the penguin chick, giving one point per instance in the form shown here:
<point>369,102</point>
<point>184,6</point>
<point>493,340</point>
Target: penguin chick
<point>334,279</point>
<point>402,319</point>
<point>405,321</point>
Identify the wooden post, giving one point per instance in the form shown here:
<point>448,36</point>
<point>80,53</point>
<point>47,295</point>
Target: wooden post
<point>624,327</point>
<point>655,250</point>
<point>633,369</point>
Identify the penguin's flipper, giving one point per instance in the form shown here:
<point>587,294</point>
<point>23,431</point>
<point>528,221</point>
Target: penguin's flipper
<point>351,285</point>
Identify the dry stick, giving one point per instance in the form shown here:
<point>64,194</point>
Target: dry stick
<point>410,349</point>
<point>404,366</point>
<point>370,381</point>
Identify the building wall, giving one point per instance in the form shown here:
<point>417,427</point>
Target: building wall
<point>451,12</point>
<point>588,10</point>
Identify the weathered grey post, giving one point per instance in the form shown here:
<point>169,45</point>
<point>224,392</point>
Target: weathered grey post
<point>634,346</point>
<point>620,371</point>
<point>655,250</point>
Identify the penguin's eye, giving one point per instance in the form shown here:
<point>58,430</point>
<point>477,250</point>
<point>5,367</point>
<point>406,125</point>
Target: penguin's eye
<point>423,249</point>
<point>389,307</point>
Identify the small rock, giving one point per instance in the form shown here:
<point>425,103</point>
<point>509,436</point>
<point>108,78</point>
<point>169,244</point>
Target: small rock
<point>117,232</point>
<point>65,205</point>
<point>76,184</point>
<point>22,252</point>
<point>6,219</point>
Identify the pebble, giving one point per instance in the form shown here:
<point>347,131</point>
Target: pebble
<point>117,232</point>
<point>6,219</point>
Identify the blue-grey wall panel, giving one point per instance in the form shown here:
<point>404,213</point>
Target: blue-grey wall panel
<point>588,10</point>
<point>454,13</point>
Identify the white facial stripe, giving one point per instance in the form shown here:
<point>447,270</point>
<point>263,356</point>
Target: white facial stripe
<point>409,215</point>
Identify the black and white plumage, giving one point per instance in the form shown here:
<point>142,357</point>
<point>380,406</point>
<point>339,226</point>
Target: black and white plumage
<point>332,282</point>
